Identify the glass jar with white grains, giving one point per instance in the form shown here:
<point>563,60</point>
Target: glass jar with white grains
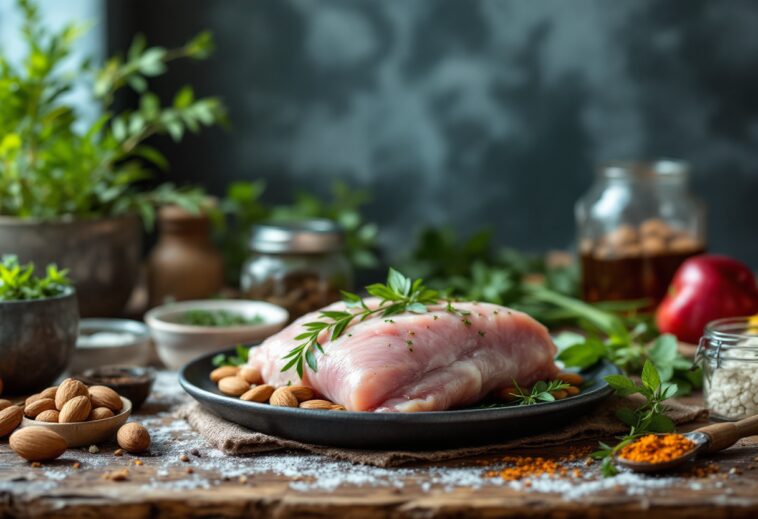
<point>728,354</point>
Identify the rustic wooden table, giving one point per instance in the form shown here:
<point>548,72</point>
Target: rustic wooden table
<point>210,484</point>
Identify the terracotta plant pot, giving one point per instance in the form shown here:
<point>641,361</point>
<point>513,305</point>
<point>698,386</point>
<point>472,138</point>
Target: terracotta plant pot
<point>184,264</point>
<point>37,341</point>
<point>102,255</point>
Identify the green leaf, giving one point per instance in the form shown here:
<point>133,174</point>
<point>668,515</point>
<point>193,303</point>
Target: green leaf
<point>583,355</point>
<point>661,424</point>
<point>622,384</point>
<point>650,377</point>
<point>626,415</point>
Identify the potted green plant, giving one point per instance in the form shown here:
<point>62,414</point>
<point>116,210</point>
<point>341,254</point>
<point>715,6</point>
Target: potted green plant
<point>39,323</point>
<point>70,189</point>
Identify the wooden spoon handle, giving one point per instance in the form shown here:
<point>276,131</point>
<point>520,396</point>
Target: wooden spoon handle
<point>726,434</point>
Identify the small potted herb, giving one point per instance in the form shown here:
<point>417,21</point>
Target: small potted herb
<point>69,187</point>
<point>39,322</point>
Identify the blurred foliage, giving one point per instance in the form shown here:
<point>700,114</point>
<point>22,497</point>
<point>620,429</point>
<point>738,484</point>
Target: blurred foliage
<point>243,207</point>
<point>52,163</point>
<point>20,282</point>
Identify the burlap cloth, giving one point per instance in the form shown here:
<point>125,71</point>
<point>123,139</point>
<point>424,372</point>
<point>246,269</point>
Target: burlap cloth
<point>602,423</point>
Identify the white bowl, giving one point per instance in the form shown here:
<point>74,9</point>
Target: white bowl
<point>133,353</point>
<point>178,343</point>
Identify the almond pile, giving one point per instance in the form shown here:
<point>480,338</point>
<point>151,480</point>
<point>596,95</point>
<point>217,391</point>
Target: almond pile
<point>246,383</point>
<point>72,401</point>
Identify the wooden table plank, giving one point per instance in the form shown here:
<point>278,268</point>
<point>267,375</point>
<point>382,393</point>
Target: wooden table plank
<point>272,486</point>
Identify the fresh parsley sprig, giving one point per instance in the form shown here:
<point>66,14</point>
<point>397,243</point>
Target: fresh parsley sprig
<point>542,391</point>
<point>399,295</point>
<point>648,418</point>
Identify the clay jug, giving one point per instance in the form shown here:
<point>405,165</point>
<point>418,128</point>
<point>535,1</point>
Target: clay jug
<point>184,264</point>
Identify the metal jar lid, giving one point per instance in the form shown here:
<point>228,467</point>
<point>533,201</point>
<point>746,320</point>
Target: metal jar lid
<point>302,236</point>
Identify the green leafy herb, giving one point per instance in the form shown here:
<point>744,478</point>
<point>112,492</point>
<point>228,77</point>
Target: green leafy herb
<point>20,283</point>
<point>399,295</point>
<point>650,417</point>
<point>219,318</point>
<point>540,392</point>
<point>53,162</point>
<point>239,359</point>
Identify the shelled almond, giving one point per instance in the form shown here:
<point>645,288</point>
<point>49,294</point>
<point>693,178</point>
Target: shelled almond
<point>72,402</point>
<point>246,384</point>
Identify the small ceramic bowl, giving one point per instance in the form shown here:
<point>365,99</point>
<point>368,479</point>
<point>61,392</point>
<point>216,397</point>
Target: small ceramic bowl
<point>110,341</point>
<point>179,343</point>
<point>135,383</point>
<point>82,434</point>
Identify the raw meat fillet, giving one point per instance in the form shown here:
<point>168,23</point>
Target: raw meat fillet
<point>411,362</point>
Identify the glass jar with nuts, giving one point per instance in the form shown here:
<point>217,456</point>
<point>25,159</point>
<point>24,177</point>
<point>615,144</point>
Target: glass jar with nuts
<point>299,265</point>
<point>636,226</point>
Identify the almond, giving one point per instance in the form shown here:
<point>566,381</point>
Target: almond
<point>37,444</point>
<point>31,399</point>
<point>133,437</point>
<point>283,397</point>
<point>338,407</point>
<point>316,404</point>
<point>575,379</point>
<point>102,396</point>
<point>69,388</point>
<point>302,393</point>
<point>36,407</point>
<point>223,372</point>
<point>50,416</point>
<point>75,410</point>
<point>233,386</point>
<point>258,394</point>
<point>251,375</point>
<point>5,403</point>
<point>49,392</point>
<point>10,418</point>
<point>100,413</point>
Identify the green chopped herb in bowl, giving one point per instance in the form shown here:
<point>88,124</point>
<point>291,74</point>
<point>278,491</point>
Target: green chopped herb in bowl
<point>218,318</point>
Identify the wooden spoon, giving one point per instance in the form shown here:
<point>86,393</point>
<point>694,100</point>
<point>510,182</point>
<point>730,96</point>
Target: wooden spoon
<point>708,439</point>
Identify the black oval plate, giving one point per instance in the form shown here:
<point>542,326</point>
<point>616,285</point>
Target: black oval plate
<point>362,430</point>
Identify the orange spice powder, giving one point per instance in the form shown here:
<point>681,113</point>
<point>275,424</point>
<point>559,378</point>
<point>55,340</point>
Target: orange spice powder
<point>655,448</point>
<point>520,467</point>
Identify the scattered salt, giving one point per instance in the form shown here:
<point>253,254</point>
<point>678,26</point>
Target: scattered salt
<point>105,340</point>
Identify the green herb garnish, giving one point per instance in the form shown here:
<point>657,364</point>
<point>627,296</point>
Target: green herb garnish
<point>239,359</point>
<point>540,392</point>
<point>397,296</point>
<point>20,283</point>
<point>218,318</point>
<point>650,417</point>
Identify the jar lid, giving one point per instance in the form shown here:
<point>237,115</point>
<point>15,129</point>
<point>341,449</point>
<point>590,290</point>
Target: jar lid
<point>301,236</point>
<point>661,169</point>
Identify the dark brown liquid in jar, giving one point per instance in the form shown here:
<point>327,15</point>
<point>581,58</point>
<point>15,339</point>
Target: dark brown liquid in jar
<point>635,263</point>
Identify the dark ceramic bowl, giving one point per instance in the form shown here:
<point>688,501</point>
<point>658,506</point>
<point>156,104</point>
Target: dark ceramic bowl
<point>132,382</point>
<point>37,341</point>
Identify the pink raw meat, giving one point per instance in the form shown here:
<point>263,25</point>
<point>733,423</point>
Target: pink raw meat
<point>411,362</point>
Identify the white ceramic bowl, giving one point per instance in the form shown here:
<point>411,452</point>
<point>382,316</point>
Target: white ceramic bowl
<point>132,353</point>
<point>178,343</point>
<point>82,434</point>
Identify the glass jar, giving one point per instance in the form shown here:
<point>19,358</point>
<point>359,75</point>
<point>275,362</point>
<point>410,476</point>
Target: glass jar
<point>300,265</point>
<point>636,226</point>
<point>728,354</point>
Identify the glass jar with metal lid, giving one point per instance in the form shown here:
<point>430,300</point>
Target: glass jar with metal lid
<point>300,265</point>
<point>728,354</point>
<point>637,224</point>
